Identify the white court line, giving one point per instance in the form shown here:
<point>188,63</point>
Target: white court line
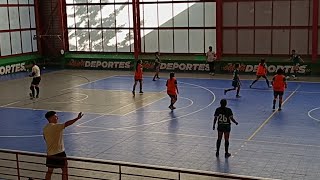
<point>175,109</point>
<point>39,109</point>
<point>88,83</point>
<point>169,119</point>
<point>160,133</point>
<point>145,105</point>
<point>221,78</point>
<point>309,114</point>
<point>196,136</point>
<point>10,104</point>
<point>188,114</point>
<point>105,114</point>
<point>56,102</point>
<point>270,117</point>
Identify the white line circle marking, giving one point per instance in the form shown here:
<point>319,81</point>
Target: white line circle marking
<point>309,114</point>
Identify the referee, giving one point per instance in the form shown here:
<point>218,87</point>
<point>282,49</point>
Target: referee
<point>224,116</point>
<point>35,80</point>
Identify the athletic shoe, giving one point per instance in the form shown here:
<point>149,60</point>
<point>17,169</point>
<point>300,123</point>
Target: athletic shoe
<point>250,86</point>
<point>133,93</point>
<point>225,92</point>
<point>227,155</point>
<point>37,96</point>
<point>174,107</point>
<point>153,80</point>
<point>141,92</point>
<point>238,96</point>
<point>212,74</point>
<point>170,107</point>
<point>279,109</point>
<point>31,96</point>
<point>273,107</point>
<point>217,154</point>
<point>158,78</point>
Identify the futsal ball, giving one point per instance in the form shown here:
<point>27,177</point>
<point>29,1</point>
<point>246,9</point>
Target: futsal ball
<point>44,68</point>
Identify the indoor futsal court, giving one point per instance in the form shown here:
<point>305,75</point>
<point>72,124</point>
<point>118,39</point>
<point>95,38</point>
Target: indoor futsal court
<point>142,129</point>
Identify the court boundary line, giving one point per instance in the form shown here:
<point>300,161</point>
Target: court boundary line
<point>162,133</point>
<point>221,78</point>
<point>271,116</point>
<point>87,83</point>
<point>6,105</point>
<point>71,101</point>
<point>199,136</point>
<point>39,109</point>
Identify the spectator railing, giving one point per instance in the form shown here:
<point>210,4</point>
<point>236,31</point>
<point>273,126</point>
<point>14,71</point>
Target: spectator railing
<point>28,165</point>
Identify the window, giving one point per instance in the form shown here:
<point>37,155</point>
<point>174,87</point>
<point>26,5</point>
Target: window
<point>183,27</point>
<point>17,27</point>
<point>107,26</point>
<point>100,26</point>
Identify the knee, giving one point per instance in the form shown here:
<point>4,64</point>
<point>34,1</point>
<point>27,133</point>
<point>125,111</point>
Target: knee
<point>31,87</point>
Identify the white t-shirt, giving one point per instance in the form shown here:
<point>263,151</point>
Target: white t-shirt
<point>53,135</point>
<point>36,71</point>
<point>211,56</point>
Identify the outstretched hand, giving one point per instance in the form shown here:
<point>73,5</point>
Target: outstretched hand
<point>80,115</point>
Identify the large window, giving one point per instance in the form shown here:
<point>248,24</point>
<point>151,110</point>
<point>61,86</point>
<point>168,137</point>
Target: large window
<point>177,27</point>
<point>267,27</point>
<point>166,26</point>
<point>100,25</point>
<point>17,27</point>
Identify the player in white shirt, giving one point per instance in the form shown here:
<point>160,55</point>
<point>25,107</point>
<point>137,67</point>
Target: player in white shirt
<point>35,81</point>
<point>211,58</point>
<point>53,136</point>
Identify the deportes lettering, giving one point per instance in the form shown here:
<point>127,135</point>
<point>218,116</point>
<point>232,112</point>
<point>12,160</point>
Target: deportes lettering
<point>13,68</point>
<point>274,68</point>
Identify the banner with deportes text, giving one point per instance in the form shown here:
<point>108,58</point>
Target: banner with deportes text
<point>182,66</point>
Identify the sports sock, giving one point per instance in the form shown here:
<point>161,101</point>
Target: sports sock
<point>226,146</point>
<point>38,90</point>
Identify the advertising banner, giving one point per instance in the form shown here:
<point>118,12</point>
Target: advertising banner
<point>99,64</point>
<point>182,66</point>
<point>13,68</point>
<point>251,68</point>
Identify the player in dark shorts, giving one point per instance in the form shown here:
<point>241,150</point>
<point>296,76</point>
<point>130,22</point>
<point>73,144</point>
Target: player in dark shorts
<point>172,90</point>
<point>224,116</point>
<point>296,60</point>
<point>35,81</point>
<point>157,63</point>
<point>261,72</point>
<point>235,82</point>
<point>279,85</point>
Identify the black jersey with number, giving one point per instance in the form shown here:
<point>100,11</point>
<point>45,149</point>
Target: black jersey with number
<point>223,115</point>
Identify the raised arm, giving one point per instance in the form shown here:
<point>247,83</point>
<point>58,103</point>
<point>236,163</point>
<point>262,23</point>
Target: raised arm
<point>70,122</point>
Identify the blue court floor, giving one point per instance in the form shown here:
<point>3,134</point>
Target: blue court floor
<point>280,145</point>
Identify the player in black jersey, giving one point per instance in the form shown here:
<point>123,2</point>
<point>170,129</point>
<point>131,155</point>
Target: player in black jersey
<point>224,116</point>
<point>235,82</point>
